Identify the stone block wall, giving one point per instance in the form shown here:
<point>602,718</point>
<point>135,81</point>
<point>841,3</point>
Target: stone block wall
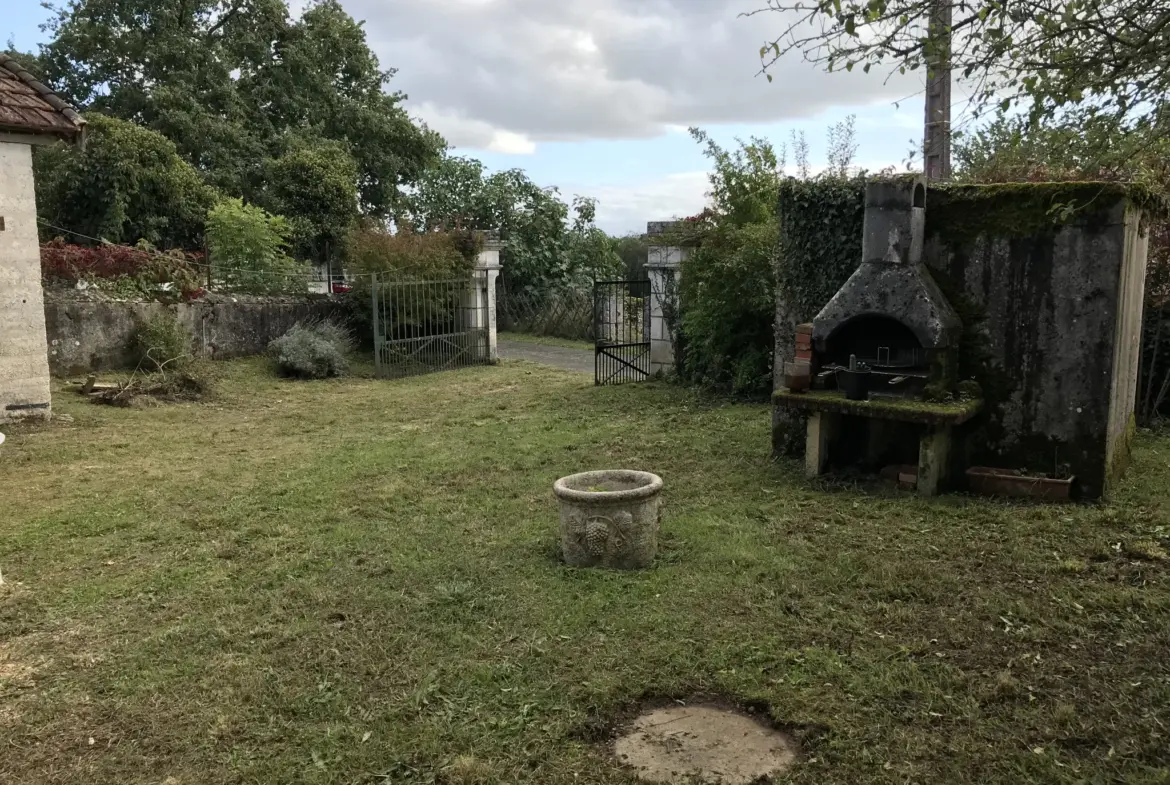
<point>24,369</point>
<point>86,335</point>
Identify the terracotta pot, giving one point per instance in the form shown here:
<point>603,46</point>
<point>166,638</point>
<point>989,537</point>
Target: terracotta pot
<point>1004,482</point>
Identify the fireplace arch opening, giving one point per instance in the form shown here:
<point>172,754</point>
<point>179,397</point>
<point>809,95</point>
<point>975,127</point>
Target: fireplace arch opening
<point>880,341</point>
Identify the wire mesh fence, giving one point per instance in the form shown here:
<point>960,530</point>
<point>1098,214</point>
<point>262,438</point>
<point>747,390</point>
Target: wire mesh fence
<point>427,326</point>
<point>555,313</point>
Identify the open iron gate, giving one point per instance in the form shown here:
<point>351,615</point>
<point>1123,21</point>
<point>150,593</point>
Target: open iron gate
<point>426,326</point>
<point>621,322</point>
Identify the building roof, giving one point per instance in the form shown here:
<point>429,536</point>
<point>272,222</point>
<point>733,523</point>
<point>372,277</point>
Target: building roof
<point>28,107</point>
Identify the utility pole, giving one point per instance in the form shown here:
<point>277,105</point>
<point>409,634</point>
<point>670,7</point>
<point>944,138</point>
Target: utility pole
<point>937,141</point>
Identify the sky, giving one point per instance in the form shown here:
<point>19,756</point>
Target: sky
<point>595,97</point>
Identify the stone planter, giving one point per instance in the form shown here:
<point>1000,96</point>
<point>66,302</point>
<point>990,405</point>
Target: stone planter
<point>609,518</point>
<point>1005,482</point>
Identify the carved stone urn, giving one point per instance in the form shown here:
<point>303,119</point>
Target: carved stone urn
<point>609,518</point>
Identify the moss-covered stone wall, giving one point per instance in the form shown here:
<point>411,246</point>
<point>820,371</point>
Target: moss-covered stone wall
<point>1036,273</point>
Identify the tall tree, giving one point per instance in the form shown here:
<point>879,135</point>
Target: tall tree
<point>235,82</point>
<point>324,80</point>
<point>1107,58</point>
<point>314,187</point>
<point>128,184</point>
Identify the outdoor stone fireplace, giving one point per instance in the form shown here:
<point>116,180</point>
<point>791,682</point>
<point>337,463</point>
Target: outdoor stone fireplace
<point>885,342</point>
<point>986,328</point>
<point>890,314</point>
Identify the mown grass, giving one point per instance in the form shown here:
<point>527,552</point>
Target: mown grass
<point>357,581</point>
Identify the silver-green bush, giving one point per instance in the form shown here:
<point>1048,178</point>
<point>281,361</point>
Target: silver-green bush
<point>312,350</point>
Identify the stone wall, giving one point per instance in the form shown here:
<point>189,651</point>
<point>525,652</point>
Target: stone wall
<point>1052,320</point>
<point>24,373</point>
<point>86,334</point>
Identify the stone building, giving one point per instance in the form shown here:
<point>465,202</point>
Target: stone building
<point>30,114</point>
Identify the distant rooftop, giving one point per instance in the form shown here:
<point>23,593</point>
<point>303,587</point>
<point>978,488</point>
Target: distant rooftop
<point>29,107</point>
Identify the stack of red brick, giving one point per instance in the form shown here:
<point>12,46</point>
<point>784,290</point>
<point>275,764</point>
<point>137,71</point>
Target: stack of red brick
<point>804,353</point>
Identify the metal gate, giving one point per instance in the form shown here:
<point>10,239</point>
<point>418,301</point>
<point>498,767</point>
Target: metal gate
<point>426,326</point>
<point>621,321</point>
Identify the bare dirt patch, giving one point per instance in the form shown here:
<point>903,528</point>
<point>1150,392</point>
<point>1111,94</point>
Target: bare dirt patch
<point>678,744</point>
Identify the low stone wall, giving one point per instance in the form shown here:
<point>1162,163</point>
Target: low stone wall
<point>90,334</point>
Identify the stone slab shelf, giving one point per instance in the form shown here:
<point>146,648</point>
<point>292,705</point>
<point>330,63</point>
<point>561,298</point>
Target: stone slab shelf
<point>828,408</point>
<point>921,412</point>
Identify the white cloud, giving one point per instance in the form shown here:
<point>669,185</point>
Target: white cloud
<point>553,70</point>
<point>511,143</point>
<point>626,209</point>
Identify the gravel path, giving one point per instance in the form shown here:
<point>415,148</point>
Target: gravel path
<point>580,360</point>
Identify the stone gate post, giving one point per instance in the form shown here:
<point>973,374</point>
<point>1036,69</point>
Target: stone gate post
<point>663,267</point>
<point>481,295</point>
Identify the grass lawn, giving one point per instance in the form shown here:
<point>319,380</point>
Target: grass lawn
<point>547,340</point>
<point>357,582</point>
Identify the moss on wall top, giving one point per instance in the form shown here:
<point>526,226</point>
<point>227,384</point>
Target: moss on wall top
<point>960,214</point>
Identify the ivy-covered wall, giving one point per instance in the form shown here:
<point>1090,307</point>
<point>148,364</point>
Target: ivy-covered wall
<point>820,223</point>
<point>1049,291</point>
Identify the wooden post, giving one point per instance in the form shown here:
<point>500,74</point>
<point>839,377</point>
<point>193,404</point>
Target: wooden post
<point>936,145</point>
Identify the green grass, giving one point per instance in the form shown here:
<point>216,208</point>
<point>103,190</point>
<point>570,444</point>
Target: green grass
<point>357,581</point>
<point>546,340</point>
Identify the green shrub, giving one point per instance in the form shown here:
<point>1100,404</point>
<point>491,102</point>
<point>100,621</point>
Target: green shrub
<point>405,256</point>
<point>728,306</point>
<point>160,342</point>
<point>312,350</point>
<point>249,249</point>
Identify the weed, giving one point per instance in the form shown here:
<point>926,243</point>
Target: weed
<point>160,341</point>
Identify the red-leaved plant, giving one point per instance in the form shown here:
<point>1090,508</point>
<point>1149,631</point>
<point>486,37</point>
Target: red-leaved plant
<point>142,268</point>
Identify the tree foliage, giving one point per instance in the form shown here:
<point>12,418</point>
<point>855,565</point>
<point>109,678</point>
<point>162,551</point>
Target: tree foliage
<point>547,243</point>
<point>315,188</point>
<point>633,250</point>
<point>248,248</point>
<point>406,255</point>
<point>1107,58</point>
<point>728,297</point>
<point>234,83</point>
<point>128,184</point>
<point>728,281</point>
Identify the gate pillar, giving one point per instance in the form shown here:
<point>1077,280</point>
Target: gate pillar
<point>480,299</point>
<point>663,267</point>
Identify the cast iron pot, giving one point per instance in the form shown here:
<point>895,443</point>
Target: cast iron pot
<point>854,383</point>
